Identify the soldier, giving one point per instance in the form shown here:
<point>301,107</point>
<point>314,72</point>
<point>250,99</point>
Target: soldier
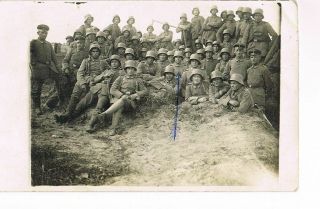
<point>69,40</point>
<point>170,55</point>
<point>197,90</point>
<point>229,24</point>
<point>187,54</point>
<point>238,65</point>
<point>101,90</point>
<point>109,47</point>
<point>185,28</point>
<point>136,46</point>
<point>165,37</point>
<point>209,63</point>
<point>143,54</point>
<point>90,38</point>
<point>197,45</point>
<point>139,34</point>
<point>227,41</point>
<point>242,26</point>
<point>121,49</point>
<point>218,87</point>
<point>130,27</point>
<point>129,54</point>
<point>44,65</point>
<point>182,48</point>
<point>176,44</point>
<point>88,19</point>
<point>127,92</point>
<point>239,14</point>
<point>101,40</point>
<point>114,28</point>
<point>179,66</point>
<point>211,25</point>
<point>209,43</point>
<point>259,79</point>
<point>149,69</point>
<point>146,44</point>
<point>225,57</point>
<point>201,54</point>
<point>216,50</point>
<point>162,60</point>
<point>238,98</point>
<point>150,37</point>
<point>257,35</point>
<point>196,25</point>
<point>124,38</point>
<point>89,69</point>
<point>223,15</point>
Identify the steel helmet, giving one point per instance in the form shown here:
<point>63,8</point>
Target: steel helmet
<point>178,54</point>
<point>69,37</point>
<point>197,41</point>
<point>181,47</point>
<point>162,51</point>
<point>165,25</point>
<point>130,63</point>
<point>216,74</point>
<point>209,41</point>
<point>230,12</point>
<point>121,45</point>
<point>196,72</point>
<point>254,52</point>
<point>78,31</point>
<point>214,7</point>
<point>195,8</point>
<point>183,15</point>
<point>247,10</point>
<point>90,31</point>
<point>150,26</point>
<point>170,53</point>
<point>82,38</point>
<point>94,45</point>
<point>169,69</point>
<point>226,31</point>
<point>237,77</point>
<point>216,43</point>
<point>101,34</point>
<point>116,16</point>
<point>208,49</point>
<point>200,51</point>
<point>187,50</point>
<point>131,17</point>
<point>107,29</point>
<point>135,38</point>
<point>195,57</point>
<point>224,50</point>
<point>239,44</point>
<point>125,29</point>
<point>152,54</point>
<point>144,49</point>
<point>88,16</point>
<point>129,51</point>
<point>115,57</point>
<point>239,9</point>
<point>258,11</point>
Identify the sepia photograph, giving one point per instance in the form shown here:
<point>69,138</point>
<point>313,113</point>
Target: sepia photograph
<point>163,95</point>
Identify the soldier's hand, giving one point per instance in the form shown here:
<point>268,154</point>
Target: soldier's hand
<point>133,96</point>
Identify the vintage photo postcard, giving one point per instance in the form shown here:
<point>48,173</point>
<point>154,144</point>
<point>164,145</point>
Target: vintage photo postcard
<point>158,96</point>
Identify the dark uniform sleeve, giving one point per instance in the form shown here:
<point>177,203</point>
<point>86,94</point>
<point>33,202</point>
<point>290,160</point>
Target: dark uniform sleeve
<point>267,81</point>
<point>32,53</point>
<point>54,58</point>
<point>226,72</point>
<point>142,90</point>
<point>81,74</point>
<point>66,60</point>
<point>246,102</point>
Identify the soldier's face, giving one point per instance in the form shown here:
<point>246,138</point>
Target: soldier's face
<point>131,71</point>
<point>126,33</point>
<point>116,20</point>
<point>187,54</point>
<point>89,21</point>
<point>194,63</point>
<point>225,56</point>
<point>150,60</point>
<point>121,51</point>
<point>234,85</point>
<point>101,40</point>
<point>224,15</point>
<point>166,27</point>
<point>95,53</point>
<point>209,55</point>
<point>230,17</point>
<point>143,54</point>
<point>226,37</point>
<point>195,12</point>
<point>196,79</point>
<point>150,30</point>
<point>114,64</point>
<point>246,15</point>
<point>198,46</point>
<point>255,59</point>
<point>129,57</point>
<point>162,57</point>
<point>42,34</point>
<point>131,21</point>
<point>209,44</point>
<point>240,15</point>
<point>215,48</point>
<point>258,17</point>
<point>217,81</point>
<point>183,19</point>
<point>169,76</point>
<point>214,11</point>
<point>80,44</point>
<point>178,60</point>
<point>238,51</point>
<point>92,37</point>
<point>139,35</point>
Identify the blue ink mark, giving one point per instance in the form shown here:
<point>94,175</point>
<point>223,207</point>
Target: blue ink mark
<point>175,123</point>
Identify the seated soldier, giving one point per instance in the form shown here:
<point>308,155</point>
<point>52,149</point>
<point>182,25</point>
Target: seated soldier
<point>129,54</point>
<point>225,57</point>
<point>127,91</point>
<point>179,66</point>
<point>148,69</point>
<point>187,54</point>
<point>121,49</point>
<point>217,88</point>
<point>143,54</point>
<point>170,55</point>
<point>238,98</point>
<point>162,61</point>
<point>197,91</point>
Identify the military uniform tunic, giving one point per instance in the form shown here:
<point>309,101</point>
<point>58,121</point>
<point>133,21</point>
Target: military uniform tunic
<point>216,92</point>
<point>211,27</point>
<point>242,95</point>
<point>238,66</point>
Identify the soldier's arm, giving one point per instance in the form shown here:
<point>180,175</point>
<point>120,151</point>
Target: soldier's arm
<point>168,37</point>
<point>188,93</point>
<point>226,72</point>
<point>115,88</point>
<point>218,23</point>
<point>246,102</point>
<point>225,99</point>
<point>224,90</point>
<point>271,31</point>
<point>201,25</point>
<point>205,25</point>
<point>54,58</point>
<point>142,90</point>
<point>220,31</point>
<point>179,28</point>
<point>32,53</point>
<point>81,74</point>
<point>267,81</point>
<point>66,60</point>
<point>246,34</point>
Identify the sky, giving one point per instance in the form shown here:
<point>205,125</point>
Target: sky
<point>64,18</point>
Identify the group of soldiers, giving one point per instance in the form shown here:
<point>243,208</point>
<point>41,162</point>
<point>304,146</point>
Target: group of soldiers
<point>218,60</point>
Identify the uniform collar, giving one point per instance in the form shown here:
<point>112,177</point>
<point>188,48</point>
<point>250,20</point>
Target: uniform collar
<point>196,86</point>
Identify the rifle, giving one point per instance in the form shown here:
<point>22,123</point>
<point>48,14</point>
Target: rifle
<point>157,21</point>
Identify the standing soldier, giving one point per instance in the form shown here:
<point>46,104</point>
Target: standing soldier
<point>238,98</point>
<point>69,40</point>
<point>218,87</point>
<point>229,24</point>
<point>124,38</point>
<point>108,43</point>
<point>209,63</point>
<point>121,50</point>
<point>44,65</point>
<point>257,34</point>
<point>238,65</point>
<point>130,27</point>
<point>196,25</point>
<point>185,28</point>
<point>162,60</point>
<point>127,92</point>
<point>88,19</point>
<point>170,55</point>
<point>242,26</point>
<point>197,90</point>
<point>223,16</point>
<point>150,37</point>
<point>76,34</point>
<point>209,43</point>
<point>179,66</point>
<point>224,59</point>
<point>136,46</point>
<point>90,38</point>
<point>240,15</point>
<point>101,40</point>
<point>149,69</point>
<point>259,79</point>
<point>211,25</point>
<point>227,41</point>
<point>165,37</point>
<point>129,54</point>
<point>114,28</point>
<point>89,69</point>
